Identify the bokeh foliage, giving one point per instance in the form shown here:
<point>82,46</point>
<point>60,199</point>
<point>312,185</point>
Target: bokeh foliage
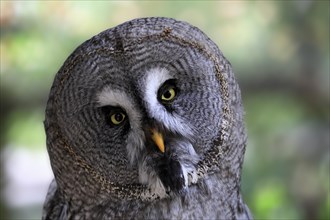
<point>280,54</point>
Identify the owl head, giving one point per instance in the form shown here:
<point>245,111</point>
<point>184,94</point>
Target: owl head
<point>144,110</point>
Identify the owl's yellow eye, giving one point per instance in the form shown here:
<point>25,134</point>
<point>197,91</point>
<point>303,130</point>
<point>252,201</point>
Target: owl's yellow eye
<point>168,95</point>
<point>167,92</point>
<point>117,118</point>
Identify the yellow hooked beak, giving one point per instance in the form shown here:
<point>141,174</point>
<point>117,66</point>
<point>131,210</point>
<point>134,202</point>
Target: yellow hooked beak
<point>158,139</point>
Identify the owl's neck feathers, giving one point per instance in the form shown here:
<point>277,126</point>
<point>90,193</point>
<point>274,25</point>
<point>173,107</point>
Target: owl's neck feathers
<point>212,159</point>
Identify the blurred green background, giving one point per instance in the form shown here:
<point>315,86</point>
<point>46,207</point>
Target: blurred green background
<point>280,54</point>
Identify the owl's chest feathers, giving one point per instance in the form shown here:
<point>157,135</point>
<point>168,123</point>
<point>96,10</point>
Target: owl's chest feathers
<point>205,200</point>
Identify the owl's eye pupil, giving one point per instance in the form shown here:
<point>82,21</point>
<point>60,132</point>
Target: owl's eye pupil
<point>119,117</point>
<point>167,95</point>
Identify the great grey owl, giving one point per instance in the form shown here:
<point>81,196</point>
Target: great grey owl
<point>145,121</point>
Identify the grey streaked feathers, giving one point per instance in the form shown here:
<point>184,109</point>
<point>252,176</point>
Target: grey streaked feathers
<point>126,74</point>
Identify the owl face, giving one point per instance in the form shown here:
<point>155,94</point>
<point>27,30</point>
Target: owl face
<point>142,104</point>
<point>145,119</point>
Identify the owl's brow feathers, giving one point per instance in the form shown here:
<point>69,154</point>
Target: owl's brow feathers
<point>212,157</point>
<point>118,98</point>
